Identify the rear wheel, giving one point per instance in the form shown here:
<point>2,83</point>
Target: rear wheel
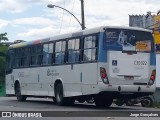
<point>119,102</point>
<point>103,101</point>
<point>146,102</point>
<point>90,101</point>
<point>18,93</point>
<point>132,101</point>
<point>59,96</point>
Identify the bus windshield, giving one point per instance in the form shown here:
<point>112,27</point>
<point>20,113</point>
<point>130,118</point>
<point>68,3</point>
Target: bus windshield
<point>128,40</point>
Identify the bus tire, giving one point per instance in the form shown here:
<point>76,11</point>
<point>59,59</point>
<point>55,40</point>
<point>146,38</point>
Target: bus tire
<point>146,102</point>
<point>59,96</point>
<point>102,101</point>
<point>119,102</point>
<point>18,93</point>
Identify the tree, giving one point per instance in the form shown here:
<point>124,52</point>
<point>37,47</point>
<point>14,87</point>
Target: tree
<point>3,37</point>
<point>3,50</point>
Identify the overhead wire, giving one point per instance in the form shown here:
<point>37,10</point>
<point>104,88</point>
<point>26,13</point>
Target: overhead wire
<point>62,18</point>
<point>71,16</point>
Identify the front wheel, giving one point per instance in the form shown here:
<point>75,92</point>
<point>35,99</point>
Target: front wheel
<point>18,93</point>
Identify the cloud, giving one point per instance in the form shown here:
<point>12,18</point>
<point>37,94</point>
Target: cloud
<point>116,11</point>
<point>35,16</point>
<point>101,12</point>
<point>41,21</point>
<point>12,6</point>
<point>18,6</point>
<point>3,23</point>
<point>39,33</point>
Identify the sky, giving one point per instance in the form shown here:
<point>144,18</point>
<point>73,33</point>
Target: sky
<point>32,19</point>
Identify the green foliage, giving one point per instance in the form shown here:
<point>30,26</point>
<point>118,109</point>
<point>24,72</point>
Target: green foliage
<point>3,50</point>
<point>3,37</point>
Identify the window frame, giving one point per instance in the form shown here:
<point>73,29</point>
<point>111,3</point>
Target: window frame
<point>79,49</point>
<point>54,53</point>
<point>96,48</point>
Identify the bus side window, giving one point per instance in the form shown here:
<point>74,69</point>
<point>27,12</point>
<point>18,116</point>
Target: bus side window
<point>33,60</point>
<point>23,57</point>
<point>73,50</point>
<point>90,48</point>
<point>45,54</point>
<point>50,51</point>
<point>60,48</point>
<point>17,58</point>
<point>10,59</point>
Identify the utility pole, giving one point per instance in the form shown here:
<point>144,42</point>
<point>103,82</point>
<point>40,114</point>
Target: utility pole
<point>82,15</point>
<point>82,24</point>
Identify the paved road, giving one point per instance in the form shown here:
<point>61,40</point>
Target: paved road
<point>83,110</point>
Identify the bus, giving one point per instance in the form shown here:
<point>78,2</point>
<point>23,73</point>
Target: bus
<point>102,63</point>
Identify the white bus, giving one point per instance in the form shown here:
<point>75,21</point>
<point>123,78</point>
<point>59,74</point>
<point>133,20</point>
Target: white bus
<point>102,63</point>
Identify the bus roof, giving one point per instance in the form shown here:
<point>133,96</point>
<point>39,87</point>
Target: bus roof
<point>74,34</point>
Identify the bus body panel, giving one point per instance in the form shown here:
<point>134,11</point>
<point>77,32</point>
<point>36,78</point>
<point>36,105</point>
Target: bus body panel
<point>9,84</point>
<point>77,79</point>
<point>128,69</point>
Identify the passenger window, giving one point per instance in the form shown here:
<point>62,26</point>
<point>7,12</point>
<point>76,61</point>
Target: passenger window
<point>39,54</point>
<point>40,59</point>
<point>58,47</point>
<point>87,55</point>
<point>71,44</point>
<point>51,48</point>
<point>10,60</point>
<point>45,54</point>
<point>50,61</point>
<point>17,62</point>
<point>33,60</point>
<point>63,46</point>
<point>60,52</point>
<point>73,50</point>
<point>90,48</point>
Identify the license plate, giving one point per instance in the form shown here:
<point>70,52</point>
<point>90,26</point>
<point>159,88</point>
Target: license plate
<point>128,77</point>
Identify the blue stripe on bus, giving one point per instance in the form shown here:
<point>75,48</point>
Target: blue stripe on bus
<point>152,59</point>
<point>112,47</point>
<point>102,53</point>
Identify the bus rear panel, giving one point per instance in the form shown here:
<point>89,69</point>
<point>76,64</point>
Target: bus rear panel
<point>129,63</point>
